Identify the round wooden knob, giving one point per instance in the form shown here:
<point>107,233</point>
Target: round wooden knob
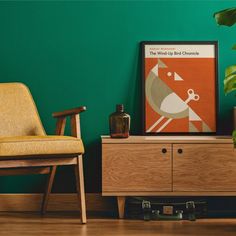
<point>180,150</point>
<point>164,150</point>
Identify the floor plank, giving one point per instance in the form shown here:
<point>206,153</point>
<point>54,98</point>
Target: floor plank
<point>69,224</point>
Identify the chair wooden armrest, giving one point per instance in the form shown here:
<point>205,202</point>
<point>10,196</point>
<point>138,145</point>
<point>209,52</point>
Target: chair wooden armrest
<point>75,121</point>
<point>69,112</point>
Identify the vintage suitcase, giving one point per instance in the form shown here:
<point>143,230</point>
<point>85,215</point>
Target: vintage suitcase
<point>165,209</point>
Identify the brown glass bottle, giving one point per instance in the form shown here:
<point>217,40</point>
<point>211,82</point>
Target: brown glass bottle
<point>119,122</point>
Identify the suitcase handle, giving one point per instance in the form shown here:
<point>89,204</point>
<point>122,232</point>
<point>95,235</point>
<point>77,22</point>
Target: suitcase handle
<point>177,216</point>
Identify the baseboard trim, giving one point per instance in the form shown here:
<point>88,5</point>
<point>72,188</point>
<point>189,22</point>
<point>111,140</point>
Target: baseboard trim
<point>57,202</point>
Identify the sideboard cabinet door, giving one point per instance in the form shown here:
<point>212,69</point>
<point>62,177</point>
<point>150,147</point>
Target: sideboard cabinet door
<point>204,167</point>
<point>136,167</point>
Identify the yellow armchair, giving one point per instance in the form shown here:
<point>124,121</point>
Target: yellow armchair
<point>26,149</point>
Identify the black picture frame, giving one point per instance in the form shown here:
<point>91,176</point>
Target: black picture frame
<point>143,44</point>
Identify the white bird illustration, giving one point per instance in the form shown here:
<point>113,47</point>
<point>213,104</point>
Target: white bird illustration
<point>166,102</point>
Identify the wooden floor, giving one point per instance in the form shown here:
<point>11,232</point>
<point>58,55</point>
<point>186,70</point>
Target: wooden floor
<point>68,224</point>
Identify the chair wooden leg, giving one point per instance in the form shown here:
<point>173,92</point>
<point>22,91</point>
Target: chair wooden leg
<point>48,189</point>
<point>80,188</point>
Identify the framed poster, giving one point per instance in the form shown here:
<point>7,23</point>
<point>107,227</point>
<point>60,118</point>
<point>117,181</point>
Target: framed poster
<point>179,87</point>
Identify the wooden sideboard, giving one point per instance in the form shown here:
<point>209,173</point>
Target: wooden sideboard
<point>168,166</point>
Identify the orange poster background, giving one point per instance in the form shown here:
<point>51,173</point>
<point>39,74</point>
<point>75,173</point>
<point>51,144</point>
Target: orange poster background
<point>199,75</point>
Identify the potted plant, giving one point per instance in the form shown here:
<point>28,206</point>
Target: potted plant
<point>227,17</point>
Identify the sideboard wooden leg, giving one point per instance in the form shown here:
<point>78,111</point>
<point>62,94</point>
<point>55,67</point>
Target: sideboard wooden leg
<point>121,206</point>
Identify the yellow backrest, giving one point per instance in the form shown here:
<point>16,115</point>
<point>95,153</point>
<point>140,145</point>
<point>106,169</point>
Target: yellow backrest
<point>18,113</point>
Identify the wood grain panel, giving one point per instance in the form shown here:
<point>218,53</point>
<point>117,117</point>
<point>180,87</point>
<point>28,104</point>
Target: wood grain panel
<point>173,194</point>
<point>136,167</point>
<point>36,162</point>
<point>57,202</point>
<point>169,139</point>
<point>204,167</point>
<point>67,224</point>
<point>25,171</point>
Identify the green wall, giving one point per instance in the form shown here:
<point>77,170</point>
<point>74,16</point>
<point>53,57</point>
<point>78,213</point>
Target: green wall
<point>87,53</point>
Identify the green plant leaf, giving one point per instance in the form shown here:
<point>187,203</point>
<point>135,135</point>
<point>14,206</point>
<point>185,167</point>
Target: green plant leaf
<point>234,137</point>
<point>226,17</point>
<point>230,83</point>
<point>230,79</point>
<point>230,70</point>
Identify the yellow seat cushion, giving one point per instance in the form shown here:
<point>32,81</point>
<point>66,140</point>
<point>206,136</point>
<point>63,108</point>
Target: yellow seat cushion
<point>39,145</point>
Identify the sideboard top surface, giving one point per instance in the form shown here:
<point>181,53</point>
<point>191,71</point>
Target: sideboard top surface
<point>168,139</point>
